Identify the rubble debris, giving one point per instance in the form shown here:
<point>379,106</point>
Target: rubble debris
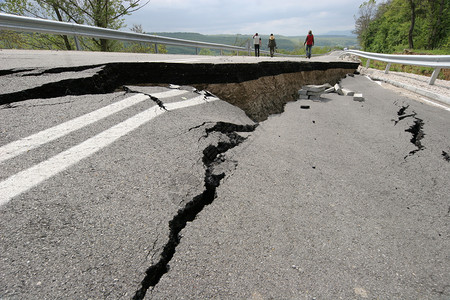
<point>329,90</point>
<point>348,92</point>
<point>338,89</point>
<point>316,88</point>
<point>358,97</point>
<point>313,92</point>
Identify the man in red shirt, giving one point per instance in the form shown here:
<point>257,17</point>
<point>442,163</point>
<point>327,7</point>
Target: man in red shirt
<point>309,41</point>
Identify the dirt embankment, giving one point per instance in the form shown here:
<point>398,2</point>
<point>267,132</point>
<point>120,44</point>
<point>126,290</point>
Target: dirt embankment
<point>267,95</point>
<point>260,89</point>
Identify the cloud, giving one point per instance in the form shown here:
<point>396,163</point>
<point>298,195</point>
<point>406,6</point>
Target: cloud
<point>287,17</point>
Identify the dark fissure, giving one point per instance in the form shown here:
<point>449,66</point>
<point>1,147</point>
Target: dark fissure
<point>211,157</point>
<point>113,76</point>
<point>416,129</point>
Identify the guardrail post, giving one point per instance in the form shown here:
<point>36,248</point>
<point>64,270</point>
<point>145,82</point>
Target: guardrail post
<point>387,68</point>
<point>156,48</point>
<point>434,76</point>
<point>77,43</point>
<point>196,51</point>
<point>368,63</point>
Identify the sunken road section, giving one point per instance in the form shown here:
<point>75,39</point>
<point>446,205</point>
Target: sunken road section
<point>260,89</point>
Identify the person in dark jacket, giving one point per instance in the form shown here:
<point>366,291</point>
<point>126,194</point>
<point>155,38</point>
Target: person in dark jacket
<point>272,44</point>
<point>309,41</point>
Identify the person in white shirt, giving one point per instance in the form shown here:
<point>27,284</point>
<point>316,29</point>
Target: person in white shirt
<point>257,42</point>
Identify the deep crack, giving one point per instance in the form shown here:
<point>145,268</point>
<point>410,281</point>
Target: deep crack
<point>115,75</point>
<point>153,98</point>
<point>401,112</point>
<point>446,156</point>
<point>416,129</point>
<point>417,135</point>
<point>63,70</point>
<point>211,157</point>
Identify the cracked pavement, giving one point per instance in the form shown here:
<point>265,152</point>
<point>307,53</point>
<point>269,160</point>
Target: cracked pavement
<point>325,205</point>
<point>328,202</point>
<point>94,229</point>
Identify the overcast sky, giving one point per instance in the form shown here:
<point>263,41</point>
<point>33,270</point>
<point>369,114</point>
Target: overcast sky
<point>280,17</point>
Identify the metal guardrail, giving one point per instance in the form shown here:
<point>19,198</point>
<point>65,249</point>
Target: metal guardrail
<point>437,62</point>
<point>27,24</point>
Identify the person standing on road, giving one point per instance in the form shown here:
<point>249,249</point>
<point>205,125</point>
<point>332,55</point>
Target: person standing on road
<point>257,42</point>
<point>309,41</point>
<point>272,44</point>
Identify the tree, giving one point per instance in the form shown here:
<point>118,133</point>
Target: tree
<point>438,22</point>
<point>100,13</point>
<point>366,14</point>
<point>412,5</point>
<point>399,24</point>
<point>142,47</point>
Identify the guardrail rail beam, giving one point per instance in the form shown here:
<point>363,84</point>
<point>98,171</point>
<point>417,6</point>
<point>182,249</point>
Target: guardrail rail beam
<point>437,62</point>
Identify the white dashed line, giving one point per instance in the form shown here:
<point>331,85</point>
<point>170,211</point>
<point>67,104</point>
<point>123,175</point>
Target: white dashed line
<point>27,179</point>
<point>33,141</point>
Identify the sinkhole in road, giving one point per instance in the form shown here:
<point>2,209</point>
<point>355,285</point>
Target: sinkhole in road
<point>212,157</point>
<point>276,82</point>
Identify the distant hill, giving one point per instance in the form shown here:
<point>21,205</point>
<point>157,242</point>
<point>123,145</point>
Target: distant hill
<point>341,32</point>
<point>288,43</point>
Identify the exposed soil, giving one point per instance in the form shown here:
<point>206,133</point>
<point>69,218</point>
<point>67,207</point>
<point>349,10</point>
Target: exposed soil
<point>259,89</point>
<point>267,95</point>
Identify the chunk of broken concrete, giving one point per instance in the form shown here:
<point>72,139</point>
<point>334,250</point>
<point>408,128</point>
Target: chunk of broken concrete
<point>338,89</point>
<point>348,92</point>
<point>330,90</point>
<point>316,88</point>
<point>302,92</point>
<point>358,97</point>
<point>310,93</point>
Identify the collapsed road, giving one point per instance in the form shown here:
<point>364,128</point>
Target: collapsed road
<point>160,189</point>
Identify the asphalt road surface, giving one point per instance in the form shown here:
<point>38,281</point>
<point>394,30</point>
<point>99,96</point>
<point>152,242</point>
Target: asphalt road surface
<point>175,194</point>
<point>330,202</point>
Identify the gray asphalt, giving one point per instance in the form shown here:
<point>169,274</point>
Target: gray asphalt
<point>326,203</point>
<point>44,59</point>
<point>330,202</point>
<point>93,230</point>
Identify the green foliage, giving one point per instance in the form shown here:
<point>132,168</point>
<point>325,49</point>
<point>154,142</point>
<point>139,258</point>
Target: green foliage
<point>388,30</point>
<point>100,13</point>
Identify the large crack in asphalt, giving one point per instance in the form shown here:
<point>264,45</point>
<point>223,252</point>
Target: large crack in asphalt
<point>416,129</point>
<point>212,157</point>
<point>153,98</point>
<point>113,76</point>
<point>446,156</point>
<point>417,135</point>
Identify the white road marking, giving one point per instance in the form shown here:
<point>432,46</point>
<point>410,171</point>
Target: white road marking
<point>377,82</point>
<point>433,103</point>
<point>29,178</point>
<point>186,103</point>
<point>33,141</point>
